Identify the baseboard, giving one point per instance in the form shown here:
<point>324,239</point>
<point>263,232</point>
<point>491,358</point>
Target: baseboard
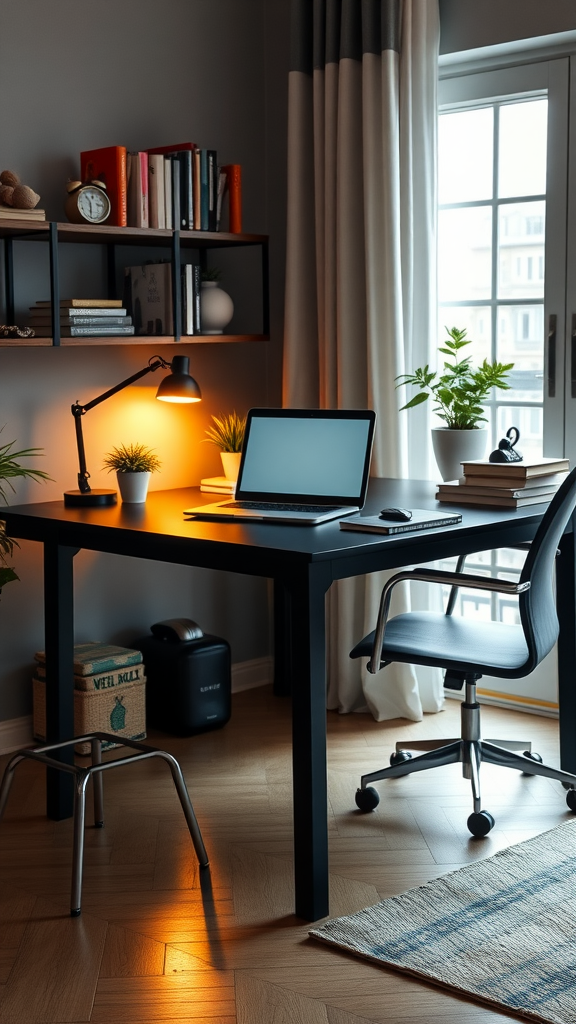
<point>246,675</point>
<point>528,705</point>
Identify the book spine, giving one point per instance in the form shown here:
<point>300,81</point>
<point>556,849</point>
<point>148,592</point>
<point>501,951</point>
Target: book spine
<point>156,190</point>
<point>220,196</point>
<point>197,192</point>
<point>109,165</point>
<point>204,190</point>
<point>168,192</point>
<point>143,207</point>
<point>234,188</point>
<point>196,281</point>
<point>188,299</point>
<point>85,321</point>
<point>212,188</point>
<point>121,197</point>
<point>186,198</point>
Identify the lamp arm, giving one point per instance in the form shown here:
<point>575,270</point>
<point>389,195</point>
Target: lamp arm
<point>78,411</point>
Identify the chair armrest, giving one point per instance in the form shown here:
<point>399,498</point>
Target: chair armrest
<point>455,579</point>
<point>524,545</point>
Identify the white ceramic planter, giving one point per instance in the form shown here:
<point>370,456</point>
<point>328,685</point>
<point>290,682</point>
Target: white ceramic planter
<point>216,308</point>
<point>133,487</point>
<point>452,447</point>
<point>231,464</point>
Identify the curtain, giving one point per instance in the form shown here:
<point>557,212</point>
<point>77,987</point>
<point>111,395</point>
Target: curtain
<point>361,278</point>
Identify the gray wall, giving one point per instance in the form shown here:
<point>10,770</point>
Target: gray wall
<point>136,73</point>
<point>468,24</point>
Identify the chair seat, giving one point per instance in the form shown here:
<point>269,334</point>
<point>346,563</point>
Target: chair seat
<point>447,641</point>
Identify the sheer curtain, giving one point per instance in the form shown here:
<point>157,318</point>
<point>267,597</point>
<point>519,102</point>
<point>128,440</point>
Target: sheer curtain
<point>361,277</point>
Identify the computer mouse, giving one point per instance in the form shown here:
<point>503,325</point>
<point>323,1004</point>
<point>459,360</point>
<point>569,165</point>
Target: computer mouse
<point>398,515</point>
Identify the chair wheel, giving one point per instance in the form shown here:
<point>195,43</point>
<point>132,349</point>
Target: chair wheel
<point>400,756</point>
<point>533,757</point>
<point>571,799</point>
<point>367,799</point>
<point>480,824</point>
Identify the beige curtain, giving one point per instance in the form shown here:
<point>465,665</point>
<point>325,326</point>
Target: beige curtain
<point>361,280</point>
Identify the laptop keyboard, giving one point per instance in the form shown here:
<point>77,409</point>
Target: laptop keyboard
<point>277,506</point>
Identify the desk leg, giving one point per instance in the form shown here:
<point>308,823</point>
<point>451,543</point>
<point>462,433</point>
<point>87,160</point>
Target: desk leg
<point>282,640</point>
<point>309,743</point>
<point>566,605</point>
<point>59,642</point>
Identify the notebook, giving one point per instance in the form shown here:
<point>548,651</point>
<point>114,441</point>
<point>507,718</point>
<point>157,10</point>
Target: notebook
<point>300,466</point>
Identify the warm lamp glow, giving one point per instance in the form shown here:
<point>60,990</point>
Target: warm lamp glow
<point>176,398</point>
<point>179,386</point>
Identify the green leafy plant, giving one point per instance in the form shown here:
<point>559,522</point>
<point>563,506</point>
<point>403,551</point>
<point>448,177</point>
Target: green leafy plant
<point>132,458</point>
<point>228,432</point>
<point>460,391</point>
<point>211,274</point>
<point>10,469</point>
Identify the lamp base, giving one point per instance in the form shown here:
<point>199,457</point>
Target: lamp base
<point>98,498</point>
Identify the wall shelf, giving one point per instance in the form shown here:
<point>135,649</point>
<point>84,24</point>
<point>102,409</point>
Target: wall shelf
<point>55,233</point>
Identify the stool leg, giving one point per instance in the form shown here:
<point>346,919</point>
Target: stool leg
<point>97,783</point>
<point>186,807</point>
<point>7,781</point>
<point>78,852</point>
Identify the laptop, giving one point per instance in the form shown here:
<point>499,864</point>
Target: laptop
<point>300,466</point>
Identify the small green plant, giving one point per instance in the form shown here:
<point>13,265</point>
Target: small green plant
<point>132,458</point>
<point>460,390</point>
<point>228,432</point>
<point>10,469</point>
<point>211,274</point>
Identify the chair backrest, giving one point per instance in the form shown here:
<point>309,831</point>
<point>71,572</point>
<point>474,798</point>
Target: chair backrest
<point>538,604</point>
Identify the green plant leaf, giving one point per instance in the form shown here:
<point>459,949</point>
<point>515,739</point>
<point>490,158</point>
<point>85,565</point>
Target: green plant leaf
<point>132,458</point>
<point>227,432</point>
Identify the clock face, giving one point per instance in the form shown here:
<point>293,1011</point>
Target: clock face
<point>93,204</point>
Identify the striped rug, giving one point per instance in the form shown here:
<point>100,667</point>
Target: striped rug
<point>502,930</point>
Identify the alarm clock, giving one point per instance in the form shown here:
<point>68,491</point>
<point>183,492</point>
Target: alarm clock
<point>87,202</point>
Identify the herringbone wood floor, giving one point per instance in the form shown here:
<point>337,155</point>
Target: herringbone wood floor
<point>155,944</point>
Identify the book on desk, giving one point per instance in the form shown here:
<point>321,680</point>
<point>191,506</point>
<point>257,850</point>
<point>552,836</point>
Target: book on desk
<point>421,519</point>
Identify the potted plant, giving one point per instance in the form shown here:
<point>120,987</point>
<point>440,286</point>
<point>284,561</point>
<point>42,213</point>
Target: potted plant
<point>11,468</point>
<point>134,465</point>
<point>227,433</point>
<point>460,391</point>
<point>216,306</point>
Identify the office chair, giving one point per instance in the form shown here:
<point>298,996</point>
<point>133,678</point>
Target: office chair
<point>468,649</point>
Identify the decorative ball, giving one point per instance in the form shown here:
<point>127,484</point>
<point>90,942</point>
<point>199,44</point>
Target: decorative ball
<point>25,198</point>
<point>6,192</point>
<point>9,178</point>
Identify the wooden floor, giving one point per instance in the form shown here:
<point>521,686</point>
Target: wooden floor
<point>156,942</point>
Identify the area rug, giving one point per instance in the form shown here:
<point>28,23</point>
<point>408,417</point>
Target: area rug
<point>501,930</point>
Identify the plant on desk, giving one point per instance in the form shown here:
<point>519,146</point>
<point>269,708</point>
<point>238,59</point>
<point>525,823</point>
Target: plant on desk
<point>10,469</point>
<point>460,393</point>
<point>227,433</point>
<point>134,465</point>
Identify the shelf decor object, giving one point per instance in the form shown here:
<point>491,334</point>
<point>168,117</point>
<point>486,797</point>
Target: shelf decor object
<point>178,386</point>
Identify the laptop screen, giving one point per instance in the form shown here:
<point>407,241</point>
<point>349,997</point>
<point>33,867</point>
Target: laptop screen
<point>300,455</point>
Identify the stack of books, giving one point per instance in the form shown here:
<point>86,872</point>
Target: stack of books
<point>218,485</point>
<point>178,186</point>
<point>82,318</point>
<point>109,693</point>
<point>10,213</point>
<point>505,484</point>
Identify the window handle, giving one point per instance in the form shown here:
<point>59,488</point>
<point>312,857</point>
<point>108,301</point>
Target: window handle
<point>573,358</point>
<point>552,319</point>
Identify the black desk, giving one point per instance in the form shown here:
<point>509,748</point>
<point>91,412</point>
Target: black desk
<point>303,562</point>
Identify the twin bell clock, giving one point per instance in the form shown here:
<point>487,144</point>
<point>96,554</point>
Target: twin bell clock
<point>87,202</point>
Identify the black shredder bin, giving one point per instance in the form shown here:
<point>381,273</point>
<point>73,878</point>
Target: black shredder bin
<point>188,677</point>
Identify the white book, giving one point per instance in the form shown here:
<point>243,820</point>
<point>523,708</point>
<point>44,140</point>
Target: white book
<point>168,193</point>
<point>156,190</point>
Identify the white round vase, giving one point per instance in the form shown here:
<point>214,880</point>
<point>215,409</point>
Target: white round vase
<point>216,308</point>
<point>452,447</point>
<point>133,487</point>
<point>231,464</point>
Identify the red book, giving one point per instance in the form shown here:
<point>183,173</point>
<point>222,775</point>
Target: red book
<point>234,186</point>
<point>109,165</point>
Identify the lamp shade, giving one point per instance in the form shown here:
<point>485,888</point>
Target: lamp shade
<point>179,386</point>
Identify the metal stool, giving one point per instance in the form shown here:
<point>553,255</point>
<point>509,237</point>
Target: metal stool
<point>82,774</point>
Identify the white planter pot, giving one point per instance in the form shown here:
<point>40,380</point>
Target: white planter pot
<point>216,308</point>
<point>452,447</point>
<point>133,487</point>
<point>231,464</point>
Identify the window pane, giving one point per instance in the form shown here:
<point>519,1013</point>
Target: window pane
<point>520,340</point>
<point>476,321</point>
<point>521,250</point>
<point>522,149</point>
<point>529,423</point>
<point>464,253</point>
<point>465,141</point>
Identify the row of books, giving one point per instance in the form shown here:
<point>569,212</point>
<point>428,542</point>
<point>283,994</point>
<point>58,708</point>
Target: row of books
<point>175,187</point>
<point>83,318</point>
<point>148,297</point>
<point>505,485</point>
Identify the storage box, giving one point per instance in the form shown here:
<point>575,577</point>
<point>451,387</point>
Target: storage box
<point>120,710</point>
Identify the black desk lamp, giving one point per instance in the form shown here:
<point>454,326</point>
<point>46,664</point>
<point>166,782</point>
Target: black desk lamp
<point>178,386</point>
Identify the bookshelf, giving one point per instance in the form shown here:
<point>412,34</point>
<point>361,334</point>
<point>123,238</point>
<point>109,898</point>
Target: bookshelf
<point>55,234</point>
